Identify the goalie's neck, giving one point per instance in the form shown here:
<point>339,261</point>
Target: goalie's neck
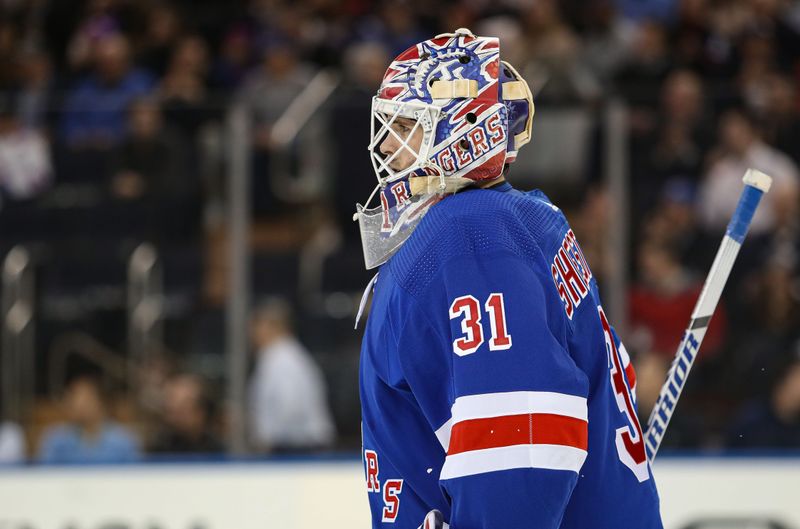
<point>489,184</point>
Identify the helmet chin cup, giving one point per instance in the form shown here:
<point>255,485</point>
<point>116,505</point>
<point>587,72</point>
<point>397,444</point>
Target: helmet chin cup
<point>386,227</point>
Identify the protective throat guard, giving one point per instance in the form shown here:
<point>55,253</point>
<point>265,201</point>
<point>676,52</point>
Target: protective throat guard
<point>386,227</point>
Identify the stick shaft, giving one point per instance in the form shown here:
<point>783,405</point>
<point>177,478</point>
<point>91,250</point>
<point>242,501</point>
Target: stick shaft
<point>756,184</point>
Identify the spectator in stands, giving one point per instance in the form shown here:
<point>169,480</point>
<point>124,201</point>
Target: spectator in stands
<point>25,168</point>
<point>287,395</point>
<point>162,34</point>
<point>12,443</point>
<point>35,101</point>
<point>758,63</point>
<point>780,119</point>
<point>183,88</point>
<point>661,302</point>
<point>773,422</point>
<point>99,22</point>
<point>604,40</point>
<point>672,221</point>
<point>775,306</point>
<point>87,435</point>
<point>188,418</point>
<point>683,114</point>
<point>94,111</point>
<point>779,19</point>
<point>267,93</point>
<point>234,59</point>
<point>149,162</point>
<point>640,77</point>
<point>741,148</point>
<point>727,21</point>
<point>678,142</point>
<point>768,317</point>
<point>690,33</point>
<point>556,69</point>
<point>272,86</point>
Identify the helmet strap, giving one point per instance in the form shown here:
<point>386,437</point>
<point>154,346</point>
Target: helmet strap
<point>428,185</point>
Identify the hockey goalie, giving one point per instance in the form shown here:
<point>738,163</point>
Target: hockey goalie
<point>493,387</point>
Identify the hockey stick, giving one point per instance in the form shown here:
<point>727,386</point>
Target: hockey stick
<point>756,184</point>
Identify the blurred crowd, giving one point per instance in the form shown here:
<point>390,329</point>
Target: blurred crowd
<point>114,129</point>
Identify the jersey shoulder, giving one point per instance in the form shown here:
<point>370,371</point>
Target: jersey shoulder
<point>476,224</point>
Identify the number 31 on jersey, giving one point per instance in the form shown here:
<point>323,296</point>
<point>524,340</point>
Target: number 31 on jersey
<point>468,308</point>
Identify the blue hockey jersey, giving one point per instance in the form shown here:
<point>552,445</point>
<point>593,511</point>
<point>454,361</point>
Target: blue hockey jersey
<point>492,386</point>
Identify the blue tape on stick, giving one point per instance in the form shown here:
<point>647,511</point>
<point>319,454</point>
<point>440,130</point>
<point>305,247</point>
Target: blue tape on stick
<point>740,223</point>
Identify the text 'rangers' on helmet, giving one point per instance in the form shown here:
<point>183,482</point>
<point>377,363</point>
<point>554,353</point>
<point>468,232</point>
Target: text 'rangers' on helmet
<point>449,113</point>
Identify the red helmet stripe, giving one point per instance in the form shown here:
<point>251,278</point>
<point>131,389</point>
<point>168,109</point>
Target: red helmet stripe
<point>390,92</point>
<point>411,53</point>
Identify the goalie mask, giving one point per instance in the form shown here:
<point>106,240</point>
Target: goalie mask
<point>449,113</point>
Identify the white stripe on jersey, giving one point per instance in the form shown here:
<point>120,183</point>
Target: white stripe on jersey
<point>443,433</point>
<point>517,403</point>
<point>626,358</point>
<point>553,457</point>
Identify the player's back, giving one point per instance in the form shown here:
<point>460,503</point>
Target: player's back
<point>615,486</point>
<point>547,356</point>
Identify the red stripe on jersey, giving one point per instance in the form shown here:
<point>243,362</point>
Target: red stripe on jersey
<point>510,430</point>
<point>560,430</point>
<point>631,374</point>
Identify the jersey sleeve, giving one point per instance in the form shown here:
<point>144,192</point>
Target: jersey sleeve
<point>517,432</point>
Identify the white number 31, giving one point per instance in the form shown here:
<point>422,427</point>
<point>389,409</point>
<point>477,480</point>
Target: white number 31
<point>469,310</point>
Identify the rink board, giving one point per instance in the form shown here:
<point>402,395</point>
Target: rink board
<point>306,495</point>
